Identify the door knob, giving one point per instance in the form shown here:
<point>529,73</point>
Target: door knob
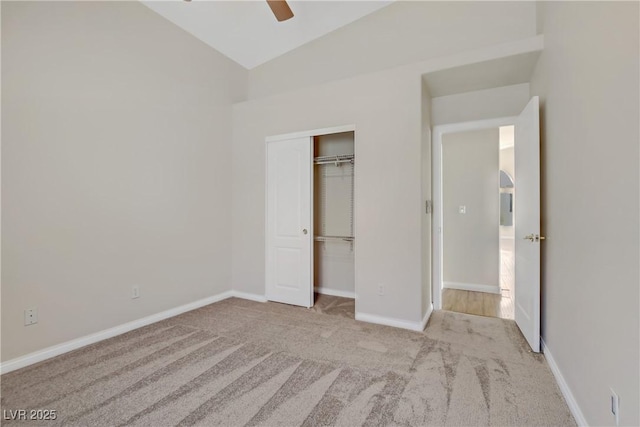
<point>304,231</point>
<point>534,237</point>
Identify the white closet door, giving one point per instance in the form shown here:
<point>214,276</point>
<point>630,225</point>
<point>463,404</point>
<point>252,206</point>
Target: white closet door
<point>527,224</point>
<point>289,267</point>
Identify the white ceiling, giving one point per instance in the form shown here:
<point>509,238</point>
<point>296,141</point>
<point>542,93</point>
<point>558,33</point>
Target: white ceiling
<point>247,32</point>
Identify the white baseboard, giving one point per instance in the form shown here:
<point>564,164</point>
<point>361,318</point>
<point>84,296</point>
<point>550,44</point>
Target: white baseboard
<point>335,292</point>
<point>396,323</point>
<point>564,387</point>
<point>490,289</point>
<point>427,315</point>
<point>251,297</point>
<point>56,350</point>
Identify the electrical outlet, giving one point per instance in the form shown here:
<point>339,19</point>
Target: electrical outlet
<point>30,316</point>
<point>615,406</point>
<point>380,289</point>
<point>462,209</point>
<point>135,292</point>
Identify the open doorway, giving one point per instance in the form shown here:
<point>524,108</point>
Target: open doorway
<point>333,215</point>
<point>477,221</point>
<point>525,210</point>
<point>507,192</point>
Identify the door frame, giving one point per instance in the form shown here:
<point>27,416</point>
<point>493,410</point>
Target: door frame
<point>311,134</point>
<point>436,166</point>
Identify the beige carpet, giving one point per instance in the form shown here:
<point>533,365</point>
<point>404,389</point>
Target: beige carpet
<point>335,306</point>
<point>238,362</point>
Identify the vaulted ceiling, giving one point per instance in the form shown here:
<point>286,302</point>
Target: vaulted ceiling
<point>248,33</point>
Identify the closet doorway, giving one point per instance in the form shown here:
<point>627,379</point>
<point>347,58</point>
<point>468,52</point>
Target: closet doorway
<point>310,241</point>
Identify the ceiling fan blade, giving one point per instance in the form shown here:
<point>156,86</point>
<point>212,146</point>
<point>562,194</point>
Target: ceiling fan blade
<point>280,9</point>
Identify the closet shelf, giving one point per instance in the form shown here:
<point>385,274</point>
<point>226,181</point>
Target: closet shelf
<point>333,160</point>
<point>334,238</point>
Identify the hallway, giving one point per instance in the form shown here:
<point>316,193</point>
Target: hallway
<point>483,303</point>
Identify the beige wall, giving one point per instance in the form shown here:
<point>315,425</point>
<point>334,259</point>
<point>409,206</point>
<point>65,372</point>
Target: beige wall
<point>587,78</point>
<point>507,161</point>
<point>115,168</point>
<point>470,178</point>
<point>507,164</point>
<point>505,101</point>
<point>385,109</point>
<point>405,32</point>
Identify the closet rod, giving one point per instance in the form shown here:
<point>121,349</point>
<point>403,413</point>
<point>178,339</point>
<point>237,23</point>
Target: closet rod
<point>332,162</point>
<point>342,158</point>
<point>333,238</point>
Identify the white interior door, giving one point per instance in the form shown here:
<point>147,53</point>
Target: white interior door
<point>289,264</point>
<point>527,223</point>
